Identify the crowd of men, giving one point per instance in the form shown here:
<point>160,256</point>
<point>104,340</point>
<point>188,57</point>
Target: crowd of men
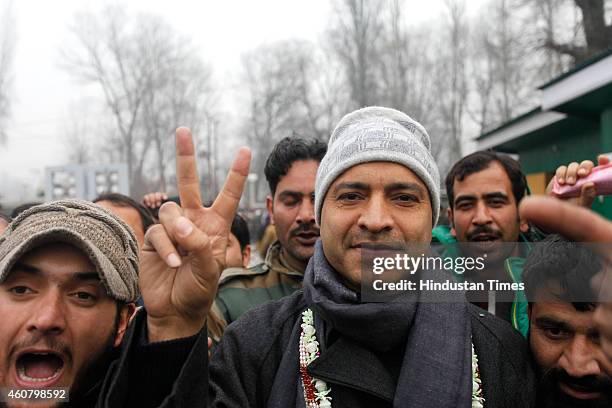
<point>154,303</point>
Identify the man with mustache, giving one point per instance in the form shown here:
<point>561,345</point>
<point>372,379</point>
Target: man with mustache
<point>586,226</point>
<point>484,190</point>
<point>290,171</point>
<point>564,337</point>
<point>325,346</point>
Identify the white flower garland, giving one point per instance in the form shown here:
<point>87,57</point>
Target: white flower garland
<point>316,392</point>
<point>477,398</point>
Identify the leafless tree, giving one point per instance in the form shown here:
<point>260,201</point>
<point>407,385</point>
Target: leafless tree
<point>355,35</point>
<point>504,70</point>
<point>179,92</point>
<point>395,58</point>
<point>549,21</point>
<point>78,129</point>
<point>321,95</point>
<point>144,69</point>
<point>596,31</point>
<point>289,92</point>
<point>482,79</point>
<point>451,83</point>
<point>7,54</point>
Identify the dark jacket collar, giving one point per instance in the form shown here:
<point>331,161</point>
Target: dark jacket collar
<point>352,365</point>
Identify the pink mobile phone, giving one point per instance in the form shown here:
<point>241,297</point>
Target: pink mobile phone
<point>601,176</point>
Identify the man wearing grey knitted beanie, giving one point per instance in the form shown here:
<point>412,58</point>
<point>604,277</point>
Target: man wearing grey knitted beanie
<point>377,134</point>
<point>377,189</point>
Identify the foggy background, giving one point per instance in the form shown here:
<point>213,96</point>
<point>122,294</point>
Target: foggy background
<point>90,82</point>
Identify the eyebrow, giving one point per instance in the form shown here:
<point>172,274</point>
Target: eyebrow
<point>487,196</point>
<point>85,276</point>
<point>290,194</point>
<point>352,185</point>
<point>21,267</point>
<point>404,186</point>
<point>496,194</point>
<point>357,185</point>
<point>32,270</point>
<point>551,322</point>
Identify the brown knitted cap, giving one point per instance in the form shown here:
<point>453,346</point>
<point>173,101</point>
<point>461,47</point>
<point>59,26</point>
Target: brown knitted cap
<point>107,241</point>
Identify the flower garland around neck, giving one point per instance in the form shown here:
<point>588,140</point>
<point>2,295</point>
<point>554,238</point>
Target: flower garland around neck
<point>316,392</point>
<point>477,398</point>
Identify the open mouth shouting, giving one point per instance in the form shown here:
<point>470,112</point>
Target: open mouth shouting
<point>39,368</point>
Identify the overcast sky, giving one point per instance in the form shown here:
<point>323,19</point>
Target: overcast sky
<point>222,30</point>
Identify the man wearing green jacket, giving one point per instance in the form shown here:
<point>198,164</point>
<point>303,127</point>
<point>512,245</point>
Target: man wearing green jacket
<point>484,189</point>
<point>290,171</point>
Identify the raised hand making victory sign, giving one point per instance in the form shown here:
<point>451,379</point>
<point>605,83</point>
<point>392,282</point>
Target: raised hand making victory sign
<point>184,255</point>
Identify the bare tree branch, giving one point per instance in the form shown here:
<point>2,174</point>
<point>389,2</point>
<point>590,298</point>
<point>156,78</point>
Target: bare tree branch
<point>7,55</point>
<point>151,80</point>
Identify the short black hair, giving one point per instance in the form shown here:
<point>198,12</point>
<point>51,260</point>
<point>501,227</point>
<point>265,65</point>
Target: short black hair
<point>286,152</point>
<point>21,208</point>
<point>240,230</point>
<point>571,264</point>
<point>478,161</point>
<point>124,201</point>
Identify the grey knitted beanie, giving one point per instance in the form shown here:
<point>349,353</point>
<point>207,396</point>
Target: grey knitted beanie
<point>378,134</point>
<point>106,240</point>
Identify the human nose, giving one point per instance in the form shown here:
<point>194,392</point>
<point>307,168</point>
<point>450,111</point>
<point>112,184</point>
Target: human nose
<point>482,215</point>
<point>49,315</point>
<point>578,360</point>
<point>375,217</point>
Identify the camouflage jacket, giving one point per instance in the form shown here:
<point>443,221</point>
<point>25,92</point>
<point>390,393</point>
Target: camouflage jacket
<point>242,289</point>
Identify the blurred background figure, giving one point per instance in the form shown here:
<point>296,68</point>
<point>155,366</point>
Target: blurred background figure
<point>239,244</point>
<point>134,214</point>
<point>21,208</point>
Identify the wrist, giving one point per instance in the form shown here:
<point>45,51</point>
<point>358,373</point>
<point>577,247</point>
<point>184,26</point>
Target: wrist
<point>170,328</point>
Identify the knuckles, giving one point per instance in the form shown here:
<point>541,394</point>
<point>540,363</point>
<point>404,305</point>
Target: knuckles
<point>168,207</point>
<point>154,230</point>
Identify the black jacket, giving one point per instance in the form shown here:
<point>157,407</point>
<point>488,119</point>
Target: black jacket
<point>165,374</point>
<point>244,366</point>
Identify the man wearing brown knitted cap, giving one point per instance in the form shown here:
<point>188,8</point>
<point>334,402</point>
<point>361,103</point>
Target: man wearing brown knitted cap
<point>69,274</point>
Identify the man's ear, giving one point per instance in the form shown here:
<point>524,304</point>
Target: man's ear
<point>270,207</point>
<point>246,256</point>
<point>449,214</point>
<point>126,314</point>
<point>523,226</point>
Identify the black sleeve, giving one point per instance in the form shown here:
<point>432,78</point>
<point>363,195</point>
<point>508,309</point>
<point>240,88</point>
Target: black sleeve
<point>166,374</point>
<point>233,371</point>
<point>245,365</point>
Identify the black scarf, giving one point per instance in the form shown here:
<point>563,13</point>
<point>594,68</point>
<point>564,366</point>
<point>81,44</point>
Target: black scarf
<point>436,369</point>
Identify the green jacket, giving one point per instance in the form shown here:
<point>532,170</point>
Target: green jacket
<point>513,266</point>
<point>242,289</point>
